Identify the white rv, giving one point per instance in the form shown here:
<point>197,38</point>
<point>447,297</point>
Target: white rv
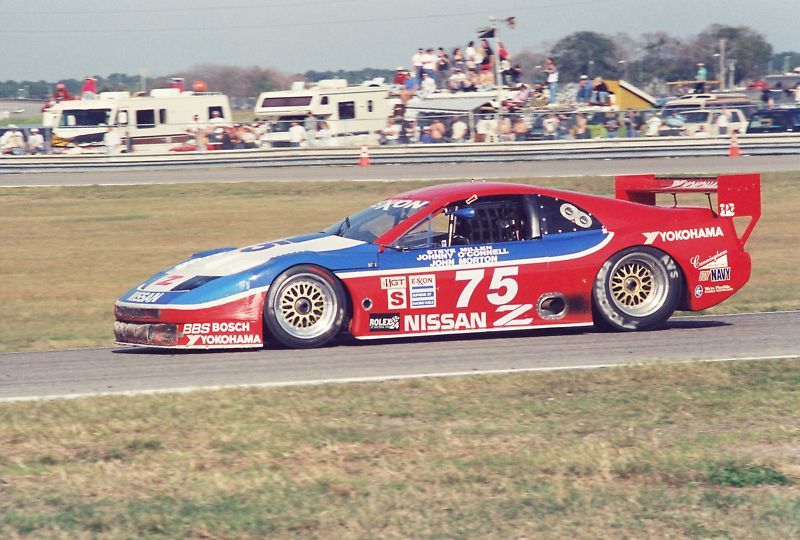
<point>160,117</point>
<point>353,113</point>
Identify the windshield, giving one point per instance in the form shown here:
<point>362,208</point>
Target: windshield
<point>375,221</point>
<point>84,117</point>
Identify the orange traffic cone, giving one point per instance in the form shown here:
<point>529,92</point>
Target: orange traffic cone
<point>363,158</point>
<point>733,150</point>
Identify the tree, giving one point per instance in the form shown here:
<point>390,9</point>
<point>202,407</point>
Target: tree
<point>587,53</point>
<point>747,47</point>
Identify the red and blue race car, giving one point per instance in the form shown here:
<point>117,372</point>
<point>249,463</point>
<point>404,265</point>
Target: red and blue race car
<point>459,258</point>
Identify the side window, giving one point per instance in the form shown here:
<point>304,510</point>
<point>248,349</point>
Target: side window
<point>370,105</point>
<point>347,110</point>
<point>496,220</point>
<point>560,216</point>
<point>324,100</point>
<point>146,118</point>
<point>430,232</point>
<point>162,116</point>
<point>212,110</point>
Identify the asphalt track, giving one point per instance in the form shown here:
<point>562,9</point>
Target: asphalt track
<point>428,171</point>
<point>79,373</point>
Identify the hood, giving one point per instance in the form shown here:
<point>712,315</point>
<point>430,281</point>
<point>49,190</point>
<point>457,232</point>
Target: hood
<point>234,261</point>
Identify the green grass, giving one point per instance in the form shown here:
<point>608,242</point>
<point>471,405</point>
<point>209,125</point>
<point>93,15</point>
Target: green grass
<point>68,253</point>
<point>656,451</point>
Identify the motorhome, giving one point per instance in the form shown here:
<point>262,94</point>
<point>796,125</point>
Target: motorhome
<point>160,117</point>
<point>354,114</point>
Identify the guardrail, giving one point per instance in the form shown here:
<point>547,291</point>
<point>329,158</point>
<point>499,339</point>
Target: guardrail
<point>782,144</point>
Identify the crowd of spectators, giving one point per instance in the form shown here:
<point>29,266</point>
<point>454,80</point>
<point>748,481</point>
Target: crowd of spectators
<point>469,69</point>
<point>16,142</point>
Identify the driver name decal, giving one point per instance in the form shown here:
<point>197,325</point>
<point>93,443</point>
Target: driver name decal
<point>462,256</point>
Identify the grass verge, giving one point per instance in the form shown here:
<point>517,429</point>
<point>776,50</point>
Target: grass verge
<point>657,451</point>
<point>68,253</point>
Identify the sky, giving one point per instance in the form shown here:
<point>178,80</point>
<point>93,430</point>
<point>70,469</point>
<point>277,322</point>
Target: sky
<point>54,40</point>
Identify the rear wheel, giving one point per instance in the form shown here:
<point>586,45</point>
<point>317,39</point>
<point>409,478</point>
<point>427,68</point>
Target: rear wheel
<point>305,307</point>
<point>636,289</point>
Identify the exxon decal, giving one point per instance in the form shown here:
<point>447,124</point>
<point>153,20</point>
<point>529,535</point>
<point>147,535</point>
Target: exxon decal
<point>683,234</point>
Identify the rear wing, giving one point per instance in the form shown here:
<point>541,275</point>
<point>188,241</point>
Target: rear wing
<point>738,195</point>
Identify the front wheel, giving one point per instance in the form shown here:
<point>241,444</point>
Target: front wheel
<point>305,307</point>
<point>636,289</point>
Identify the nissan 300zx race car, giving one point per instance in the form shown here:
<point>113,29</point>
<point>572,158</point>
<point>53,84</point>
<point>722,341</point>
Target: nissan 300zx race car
<point>459,258</point>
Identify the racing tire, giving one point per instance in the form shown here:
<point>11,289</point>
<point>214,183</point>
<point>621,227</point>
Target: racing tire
<point>305,307</point>
<point>636,289</point>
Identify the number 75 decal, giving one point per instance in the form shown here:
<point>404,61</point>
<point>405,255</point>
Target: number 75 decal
<point>503,288</point>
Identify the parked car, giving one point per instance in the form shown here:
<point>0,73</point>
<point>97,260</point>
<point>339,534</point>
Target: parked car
<point>775,121</point>
<point>460,258</point>
<point>708,119</point>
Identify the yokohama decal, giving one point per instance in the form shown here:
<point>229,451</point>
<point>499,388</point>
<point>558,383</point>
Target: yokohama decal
<point>684,234</point>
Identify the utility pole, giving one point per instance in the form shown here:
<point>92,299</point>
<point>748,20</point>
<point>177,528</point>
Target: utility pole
<point>722,64</point>
<point>495,29</point>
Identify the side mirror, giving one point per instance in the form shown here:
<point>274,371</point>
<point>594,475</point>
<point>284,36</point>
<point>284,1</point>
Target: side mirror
<point>70,120</point>
<point>123,118</point>
<point>465,213</point>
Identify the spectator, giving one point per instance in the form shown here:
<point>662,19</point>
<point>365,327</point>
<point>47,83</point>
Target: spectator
<point>502,52</point>
<point>700,78</point>
<point>632,123</point>
<point>12,141</point>
<point>217,119</point>
<point>551,71</point>
<point>701,132</point>
<point>506,129</point>
<point>409,133</point>
<point>599,92</point>
<point>550,127</point>
<point>428,85</point>
<point>520,129</point>
<point>310,125</point>
<point>297,135</point>
<point>581,126</point>
<point>457,60</point>
<point>416,63</point>
<point>485,81</point>
<point>400,77</point>
<point>429,62</point>
<point>197,131</point>
<point>111,140</point>
<point>458,131</point>
<point>516,74</point>
<point>456,81</point>
<point>722,122</point>
<point>425,137</point>
<point>324,134</point>
<point>487,56</point>
<point>61,93</point>
<point>36,142</point>
<point>249,137</point>
<point>487,129</point>
<point>675,120</point>
<point>612,125</point>
<point>442,65</point>
<point>437,131</point>
<point>391,133</point>
<point>470,83</point>
<point>177,82</point>
<point>584,89</point>
<point>653,125</point>
<point>89,88</point>
<point>505,72</point>
<point>471,56</point>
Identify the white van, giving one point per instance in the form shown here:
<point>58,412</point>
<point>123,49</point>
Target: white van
<point>354,114</point>
<point>161,117</point>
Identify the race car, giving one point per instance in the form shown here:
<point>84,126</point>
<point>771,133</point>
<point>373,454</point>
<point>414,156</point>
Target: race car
<point>461,258</point>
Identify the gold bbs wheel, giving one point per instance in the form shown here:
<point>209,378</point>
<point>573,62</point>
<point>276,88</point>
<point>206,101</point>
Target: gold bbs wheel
<point>638,284</point>
<point>305,307</point>
<point>636,289</point>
